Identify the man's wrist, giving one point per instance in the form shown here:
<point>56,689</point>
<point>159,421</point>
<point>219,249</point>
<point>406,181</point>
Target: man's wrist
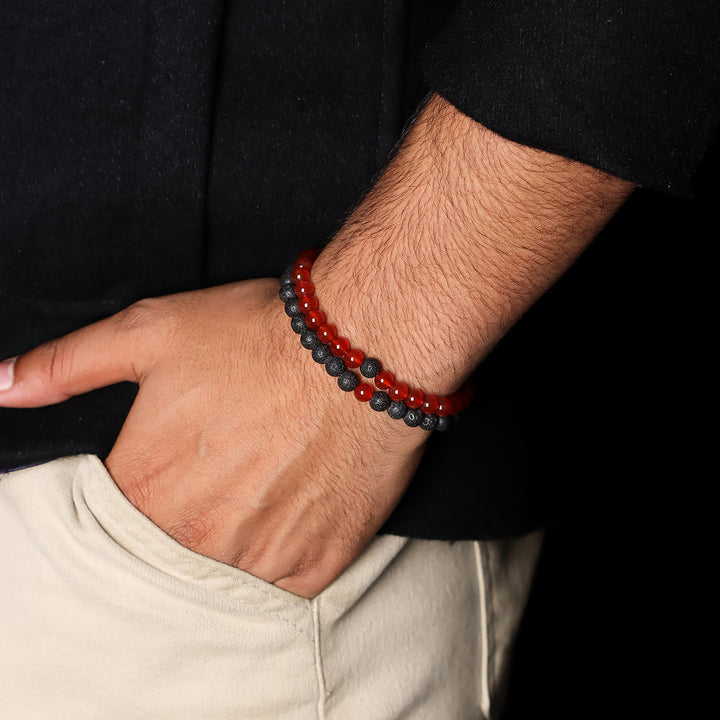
<point>460,235</point>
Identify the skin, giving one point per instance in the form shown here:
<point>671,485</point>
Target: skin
<point>240,446</point>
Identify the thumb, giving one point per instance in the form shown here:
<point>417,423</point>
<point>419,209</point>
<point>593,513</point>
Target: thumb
<point>109,351</point>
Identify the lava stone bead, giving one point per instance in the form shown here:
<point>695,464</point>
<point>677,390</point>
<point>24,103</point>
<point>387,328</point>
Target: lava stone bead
<point>309,339</point>
<point>370,367</point>
<point>335,366</point>
<point>298,324</point>
<point>292,308</point>
<point>380,401</point>
<point>413,417</point>
<point>348,381</point>
<point>397,410</point>
<point>286,277</point>
<point>287,292</point>
<point>321,353</point>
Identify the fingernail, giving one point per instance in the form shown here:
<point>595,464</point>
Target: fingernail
<point>7,373</point>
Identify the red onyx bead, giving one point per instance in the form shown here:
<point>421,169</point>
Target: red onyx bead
<point>364,391</point>
<point>339,346</point>
<point>461,399</point>
<point>353,358</point>
<point>384,379</point>
<point>399,391</point>
<point>300,274</point>
<point>445,407</point>
<point>327,333</point>
<point>430,405</point>
<point>302,262</point>
<point>308,303</point>
<point>414,399</point>
<point>315,318</point>
<point>455,403</point>
<point>310,254</point>
<point>304,287</point>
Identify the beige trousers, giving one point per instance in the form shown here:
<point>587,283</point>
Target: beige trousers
<point>102,615</point>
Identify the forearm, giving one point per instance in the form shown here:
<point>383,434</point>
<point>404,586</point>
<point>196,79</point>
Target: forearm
<point>237,445</point>
<point>461,234</point>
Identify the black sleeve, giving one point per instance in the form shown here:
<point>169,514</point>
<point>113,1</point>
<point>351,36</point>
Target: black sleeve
<point>629,87</point>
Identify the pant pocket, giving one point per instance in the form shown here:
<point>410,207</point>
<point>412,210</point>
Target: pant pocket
<point>109,617</point>
<point>137,537</point>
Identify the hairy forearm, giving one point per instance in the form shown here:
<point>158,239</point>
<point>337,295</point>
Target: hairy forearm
<point>461,234</point>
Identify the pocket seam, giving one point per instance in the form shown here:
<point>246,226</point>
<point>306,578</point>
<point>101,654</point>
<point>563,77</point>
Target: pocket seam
<point>119,509</point>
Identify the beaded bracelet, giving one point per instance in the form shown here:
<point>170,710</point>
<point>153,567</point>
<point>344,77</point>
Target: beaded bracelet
<point>413,406</point>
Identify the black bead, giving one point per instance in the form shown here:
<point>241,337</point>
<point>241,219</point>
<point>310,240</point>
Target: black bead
<point>321,353</point>
<point>429,422</point>
<point>348,381</point>
<point>292,308</point>
<point>335,366</point>
<point>298,324</point>
<point>380,401</point>
<point>309,339</point>
<point>370,367</point>
<point>397,410</point>
<point>287,292</point>
<point>286,277</point>
<point>413,417</point>
<point>443,424</point>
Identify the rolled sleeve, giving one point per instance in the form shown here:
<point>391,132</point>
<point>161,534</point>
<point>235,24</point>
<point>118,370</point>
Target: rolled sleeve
<point>631,88</point>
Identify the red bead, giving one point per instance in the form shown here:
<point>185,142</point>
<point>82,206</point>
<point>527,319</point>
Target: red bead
<point>302,262</point>
<point>339,346</point>
<point>315,318</point>
<point>364,391</point>
<point>430,405</point>
<point>384,379</point>
<point>304,287</point>
<point>308,303</point>
<point>445,407</point>
<point>353,358</point>
<point>300,274</point>
<point>456,403</point>
<point>399,391</point>
<point>327,333</point>
<point>461,399</point>
<point>415,398</point>
<point>309,253</point>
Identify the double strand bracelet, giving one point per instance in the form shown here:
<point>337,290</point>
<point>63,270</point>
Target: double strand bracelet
<point>329,348</point>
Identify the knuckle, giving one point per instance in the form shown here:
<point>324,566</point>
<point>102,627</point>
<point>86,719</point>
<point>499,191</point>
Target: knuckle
<point>193,532</point>
<point>141,315</point>
<point>140,494</point>
<point>304,582</point>
<point>248,557</point>
<point>134,477</point>
<point>149,318</point>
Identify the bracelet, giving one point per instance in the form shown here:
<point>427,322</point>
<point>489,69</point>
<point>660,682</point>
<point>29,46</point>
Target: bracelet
<point>329,348</point>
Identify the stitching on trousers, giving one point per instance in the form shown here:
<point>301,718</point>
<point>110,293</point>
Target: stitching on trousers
<point>490,605</point>
<point>322,689</point>
<point>481,560</point>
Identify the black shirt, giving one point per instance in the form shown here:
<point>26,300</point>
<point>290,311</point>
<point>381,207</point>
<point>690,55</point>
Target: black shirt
<point>149,148</point>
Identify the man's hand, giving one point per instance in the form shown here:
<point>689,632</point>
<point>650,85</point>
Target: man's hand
<point>238,445</point>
